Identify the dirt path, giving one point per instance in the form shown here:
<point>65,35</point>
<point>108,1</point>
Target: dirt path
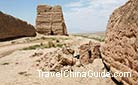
<point>6,50</point>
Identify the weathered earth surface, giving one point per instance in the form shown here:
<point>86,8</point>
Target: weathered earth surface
<point>120,51</point>
<point>50,20</point>
<point>20,66</point>
<point>11,27</point>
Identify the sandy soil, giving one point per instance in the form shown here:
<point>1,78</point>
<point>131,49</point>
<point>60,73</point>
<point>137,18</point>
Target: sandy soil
<point>17,66</point>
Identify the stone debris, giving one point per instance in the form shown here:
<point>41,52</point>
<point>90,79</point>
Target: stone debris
<point>50,20</point>
<point>11,27</point>
<point>64,58</point>
<point>89,52</point>
<point>55,61</point>
<point>68,50</point>
<point>120,51</point>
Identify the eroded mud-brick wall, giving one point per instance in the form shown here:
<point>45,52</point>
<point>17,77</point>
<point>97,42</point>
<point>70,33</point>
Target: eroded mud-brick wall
<point>50,20</point>
<point>11,27</point>
<point>120,51</point>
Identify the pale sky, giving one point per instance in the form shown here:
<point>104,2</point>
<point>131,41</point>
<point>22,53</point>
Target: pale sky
<point>80,15</point>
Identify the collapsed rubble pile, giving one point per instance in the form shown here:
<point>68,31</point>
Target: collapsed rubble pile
<point>55,61</point>
<point>64,59</point>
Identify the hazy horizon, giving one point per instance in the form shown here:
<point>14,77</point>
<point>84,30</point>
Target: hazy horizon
<point>80,16</point>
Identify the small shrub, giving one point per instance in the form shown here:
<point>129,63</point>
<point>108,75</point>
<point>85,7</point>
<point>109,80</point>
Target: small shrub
<point>59,45</point>
<point>13,42</point>
<point>5,63</point>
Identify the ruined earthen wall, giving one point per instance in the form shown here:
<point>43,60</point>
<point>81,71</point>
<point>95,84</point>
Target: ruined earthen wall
<point>120,51</point>
<point>50,20</point>
<point>11,27</point>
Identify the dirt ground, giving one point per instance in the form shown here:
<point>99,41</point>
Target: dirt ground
<point>17,65</point>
